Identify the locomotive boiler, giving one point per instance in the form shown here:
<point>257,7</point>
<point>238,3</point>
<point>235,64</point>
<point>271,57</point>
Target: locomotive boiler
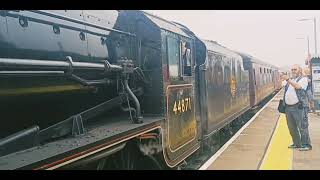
<point>55,64</point>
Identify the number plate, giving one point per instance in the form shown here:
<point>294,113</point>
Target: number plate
<point>181,115</point>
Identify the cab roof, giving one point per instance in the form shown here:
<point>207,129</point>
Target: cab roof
<point>166,25</point>
<point>216,47</point>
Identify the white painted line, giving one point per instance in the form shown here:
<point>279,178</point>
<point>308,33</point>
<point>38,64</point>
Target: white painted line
<point>226,145</point>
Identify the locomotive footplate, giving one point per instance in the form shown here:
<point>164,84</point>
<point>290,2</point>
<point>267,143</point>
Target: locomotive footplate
<point>110,132</point>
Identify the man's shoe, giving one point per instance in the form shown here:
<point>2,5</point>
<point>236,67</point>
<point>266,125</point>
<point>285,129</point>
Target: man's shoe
<point>309,146</point>
<point>305,148</point>
<point>292,146</point>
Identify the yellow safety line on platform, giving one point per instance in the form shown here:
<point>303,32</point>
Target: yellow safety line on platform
<point>278,155</point>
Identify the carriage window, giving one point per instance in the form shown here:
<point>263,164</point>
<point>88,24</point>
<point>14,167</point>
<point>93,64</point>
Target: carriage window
<point>173,56</point>
<point>186,58</point>
<point>254,76</point>
<point>226,75</point>
<point>218,74</point>
<point>260,70</point>
<point>239,72</point>
<point>233,68</point>
<point>212,78</point>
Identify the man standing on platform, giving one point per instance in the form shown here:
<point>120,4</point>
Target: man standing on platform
<point>306,73</point>
<point>296,101</point>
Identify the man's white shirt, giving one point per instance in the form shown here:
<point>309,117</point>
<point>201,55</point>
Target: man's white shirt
<point>291,97</point>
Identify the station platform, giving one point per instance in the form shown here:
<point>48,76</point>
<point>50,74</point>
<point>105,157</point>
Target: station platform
<point>262,144</point>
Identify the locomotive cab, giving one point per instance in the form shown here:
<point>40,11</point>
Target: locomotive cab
<point>166,54</point>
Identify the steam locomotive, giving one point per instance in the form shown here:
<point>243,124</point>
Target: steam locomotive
<point>93,89</point>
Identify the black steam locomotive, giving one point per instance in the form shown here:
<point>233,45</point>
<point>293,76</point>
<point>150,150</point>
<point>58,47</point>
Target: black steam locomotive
<point>116,90</point>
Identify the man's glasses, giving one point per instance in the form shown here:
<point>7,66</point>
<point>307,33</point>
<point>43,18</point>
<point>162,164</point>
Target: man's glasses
<point>294,69</point>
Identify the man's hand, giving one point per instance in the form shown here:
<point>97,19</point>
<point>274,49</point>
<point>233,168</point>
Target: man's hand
<point>285,77</point>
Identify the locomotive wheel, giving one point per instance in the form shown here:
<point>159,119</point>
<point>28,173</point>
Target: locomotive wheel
<point>150,163</point>
<point>130,158</point>
<point>126,159</point>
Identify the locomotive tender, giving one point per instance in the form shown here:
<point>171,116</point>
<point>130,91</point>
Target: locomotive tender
<point>116,90</point>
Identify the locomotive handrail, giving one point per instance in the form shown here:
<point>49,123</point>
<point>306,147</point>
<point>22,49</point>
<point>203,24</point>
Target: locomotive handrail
<point>31,73</point>
<point>79,21</point>
<point>26,64</point>
<point>65,26</point>
<point>62,17</point>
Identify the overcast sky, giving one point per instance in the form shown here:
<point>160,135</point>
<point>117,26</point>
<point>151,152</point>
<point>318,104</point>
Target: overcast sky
<point>268,35</point>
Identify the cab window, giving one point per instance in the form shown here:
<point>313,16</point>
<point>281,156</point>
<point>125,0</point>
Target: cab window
<point>179,57</point>
<point>186,58</point>
<point>173,56</point>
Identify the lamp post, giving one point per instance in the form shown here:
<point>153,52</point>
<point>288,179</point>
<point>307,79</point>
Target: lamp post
<point>308,63</point>
<point>307,44</point>
<point>308,48</point>
<point>315,32</point>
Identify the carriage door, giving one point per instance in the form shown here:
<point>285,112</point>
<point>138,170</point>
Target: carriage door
<point>181,122</point>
